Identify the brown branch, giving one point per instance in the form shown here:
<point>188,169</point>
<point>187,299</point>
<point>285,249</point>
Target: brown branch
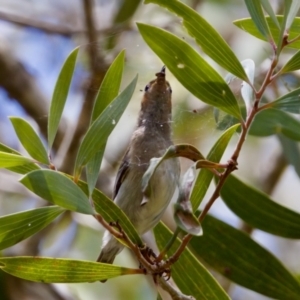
<point>98,68</point>
<point>61,29</point>
<point>91,34</point>
<point>49,28</point>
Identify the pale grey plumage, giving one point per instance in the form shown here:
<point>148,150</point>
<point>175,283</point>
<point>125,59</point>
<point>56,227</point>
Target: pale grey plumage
<point>151,139</point>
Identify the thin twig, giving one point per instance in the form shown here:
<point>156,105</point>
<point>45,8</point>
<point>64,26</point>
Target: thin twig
<point>121,235</point>
<point>108,227</point>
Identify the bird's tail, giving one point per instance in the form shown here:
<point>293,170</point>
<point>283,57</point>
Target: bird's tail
<point>111,247</point>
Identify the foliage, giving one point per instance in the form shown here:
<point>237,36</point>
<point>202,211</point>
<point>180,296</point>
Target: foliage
<point>224,248</point>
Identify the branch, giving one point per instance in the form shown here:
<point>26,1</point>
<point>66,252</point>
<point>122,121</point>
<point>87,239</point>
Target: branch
<point>45,26</point>
<point>61,29</point>
<point>98,69</point>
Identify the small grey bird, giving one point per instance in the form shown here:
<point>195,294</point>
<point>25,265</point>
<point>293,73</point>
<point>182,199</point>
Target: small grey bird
<point>150,139</point>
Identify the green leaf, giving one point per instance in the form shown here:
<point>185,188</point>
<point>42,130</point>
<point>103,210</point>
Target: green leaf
<point>289,102</point>
<point>17,227</point>
<point>12,160</point>
<point>110,86</point>
<point>125,10</point>
<point>112,213</point>
<point>283,32</point>
<point>189,274</point>
<point>205,177</point>
<point>58,270</point>
<point>21,169</point>
<point>30,140</point>
<point>257,14</point>
<point>206,36</point>
<point>96,137</point>
<point>291,152</point>
<point>109,89</point>
<point>248,25</point>
<point>292,13</point>
<point>191,70</point>
<point>268,8</point>
<point>93,169</point>
<point>57,188</point>
<point>292,65</point>
<point>236,256</point>
<point>258,210</point>
<point>60,95</point>
<point>274,121</point>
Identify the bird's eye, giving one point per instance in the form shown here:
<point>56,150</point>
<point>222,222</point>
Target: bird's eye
<point>147,87</point>
<point>170,90</point>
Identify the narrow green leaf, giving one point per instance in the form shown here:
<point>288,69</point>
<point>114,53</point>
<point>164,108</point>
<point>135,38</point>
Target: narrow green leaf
<point>273,121</point>
<point>257,14</point>
<point>248,25</point>
<point>205,177</point>
<point>60,95</point>
<point>110,86</point>
<point>59,270</point>
<point>22,169</point>
<point>292,13</point>
<point>96,137</point>
<point>206,36</point>
<point>93,169</point>
<point>189,274</point>
<point>235,255</point>
<point>30,140</point>
<point>57,188</point>
<point>17,227</point>
<point>112,213</point>
<point>283,32</point>
<point>109,89</point>
<point>292,65</point>
<point>291,152</point>
<point>125,10</point>
<point>289,102</point>
<point>12,160</point>
<point>191,70</point>
<point>258,210</point>
<point>268,8</point>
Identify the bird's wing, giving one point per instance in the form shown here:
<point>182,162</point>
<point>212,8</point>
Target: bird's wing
<point>122,173</point>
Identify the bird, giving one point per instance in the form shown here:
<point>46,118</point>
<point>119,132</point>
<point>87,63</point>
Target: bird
<point>151,138</point>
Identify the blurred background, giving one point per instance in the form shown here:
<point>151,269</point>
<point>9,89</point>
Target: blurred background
<point>35,39</point>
